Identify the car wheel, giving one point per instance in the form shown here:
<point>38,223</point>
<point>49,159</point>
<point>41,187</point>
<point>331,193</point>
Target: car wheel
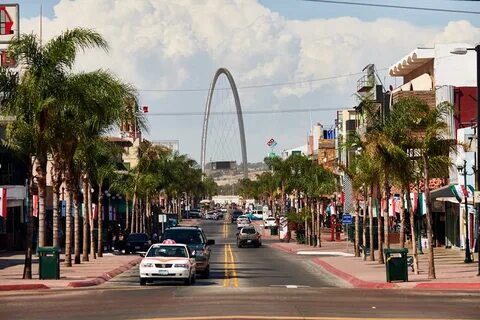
<point>149,281</point>
<point>194,278</point>
<point>188,281</point>
<point>143,282</point>
<point>239,244</point>
<point>127,252</point>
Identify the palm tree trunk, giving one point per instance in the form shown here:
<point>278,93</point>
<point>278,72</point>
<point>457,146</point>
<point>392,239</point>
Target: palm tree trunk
<point>56,218</point>
<point>381,259</point>
<point>386,217</point>
<point>68,231</point>
<point>364,225</point>
<point>27,269</point>
<point>357,227</point>
<point>402,219</point>
<point>91,221</point>
<point>100,221</point>
<point>370,225</point>
<point>86,219</point>
<point>431,258</point>
<point>42,186</point>
<point>134,210</point>
<point>319,226</point>
<point>137,217</point>
<point>413,235</point>
<point>76,208</point>
<point>127,215</point>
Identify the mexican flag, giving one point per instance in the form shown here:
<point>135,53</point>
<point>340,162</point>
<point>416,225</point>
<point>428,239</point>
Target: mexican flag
<point>461,191</point>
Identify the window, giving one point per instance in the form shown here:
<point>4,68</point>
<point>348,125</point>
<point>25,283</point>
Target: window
<point>168,251</point>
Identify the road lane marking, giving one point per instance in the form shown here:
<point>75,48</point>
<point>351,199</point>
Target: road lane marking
<point>225,267</point>
<point>275,317</point>
<point>230,269</point>
<point>233,267</point>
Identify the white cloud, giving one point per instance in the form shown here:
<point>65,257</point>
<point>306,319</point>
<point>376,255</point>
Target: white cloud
<point>179,44</point>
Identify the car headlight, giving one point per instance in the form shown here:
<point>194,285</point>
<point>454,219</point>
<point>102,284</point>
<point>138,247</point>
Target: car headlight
<point>180,265</point>
<point>147,265</point>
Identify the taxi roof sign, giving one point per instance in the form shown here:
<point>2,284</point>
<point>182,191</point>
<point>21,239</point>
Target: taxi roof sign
<point>169,241</point>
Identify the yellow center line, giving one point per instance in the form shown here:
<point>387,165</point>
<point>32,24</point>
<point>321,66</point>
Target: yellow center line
<point>225,267</point>
<point>233,267</point>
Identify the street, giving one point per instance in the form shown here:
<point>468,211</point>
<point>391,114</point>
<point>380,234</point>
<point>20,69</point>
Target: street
<point>244,283</point>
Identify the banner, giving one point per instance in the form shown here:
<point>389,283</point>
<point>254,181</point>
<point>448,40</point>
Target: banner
<point>94,211</point>
<point>35,205</point>
<point>3,202</point>
<point>63,208</point>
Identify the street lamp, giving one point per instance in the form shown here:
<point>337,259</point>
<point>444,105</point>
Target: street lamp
<point>462,168</point>
<point>463,51</point>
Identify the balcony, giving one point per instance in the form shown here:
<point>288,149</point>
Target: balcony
<point>365,83</point>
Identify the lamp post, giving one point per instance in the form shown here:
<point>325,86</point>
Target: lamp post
<point>463,51</point>
<point>462,168</point>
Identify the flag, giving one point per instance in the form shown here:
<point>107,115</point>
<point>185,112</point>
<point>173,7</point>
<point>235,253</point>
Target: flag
<point>3,202</point>
<point>94,211</point>
<point>461,191</point>
<point>35,205</point>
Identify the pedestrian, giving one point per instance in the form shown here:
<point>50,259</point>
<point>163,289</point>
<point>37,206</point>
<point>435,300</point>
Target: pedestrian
<point>154,237</point>
<point>109,239</point>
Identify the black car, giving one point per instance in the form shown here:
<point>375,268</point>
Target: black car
<point>137,242</point>
<point>196,240</point>
<point>235,215</point>
<point>194,214</point>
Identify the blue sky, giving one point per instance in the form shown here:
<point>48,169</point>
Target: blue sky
<point>178,45</point>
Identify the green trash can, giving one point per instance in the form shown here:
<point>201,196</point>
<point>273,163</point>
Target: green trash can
<point>274,231</point>
<point>396,264</point>
<point>49,262</point>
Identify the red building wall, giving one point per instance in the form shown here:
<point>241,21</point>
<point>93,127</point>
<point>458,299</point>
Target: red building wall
<point>465,106</point>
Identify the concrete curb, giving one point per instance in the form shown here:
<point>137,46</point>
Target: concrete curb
<point>106,276</point>
<point>449,285</point>
<point>354,281</point>
<point>27,286</point>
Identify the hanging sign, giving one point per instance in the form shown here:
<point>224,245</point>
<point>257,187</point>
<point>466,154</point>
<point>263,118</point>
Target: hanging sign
<point>3,202</point>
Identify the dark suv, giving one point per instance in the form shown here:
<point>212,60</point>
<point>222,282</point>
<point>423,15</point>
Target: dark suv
<point>196,240</point>
<point>137,242</point>
<point>235,215</point>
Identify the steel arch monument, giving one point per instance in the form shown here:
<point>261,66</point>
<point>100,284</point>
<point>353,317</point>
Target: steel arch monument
<point>239,118</point>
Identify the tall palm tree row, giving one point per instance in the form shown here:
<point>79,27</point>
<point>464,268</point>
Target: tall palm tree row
<point>59,110</point>
<point>411,135</point>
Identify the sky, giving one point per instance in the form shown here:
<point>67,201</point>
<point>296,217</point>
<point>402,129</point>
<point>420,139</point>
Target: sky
<point>284,55</point>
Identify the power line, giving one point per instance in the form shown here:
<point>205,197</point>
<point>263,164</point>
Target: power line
<point>243,112</point>
<point>255,86</point>
<point>394,6</point>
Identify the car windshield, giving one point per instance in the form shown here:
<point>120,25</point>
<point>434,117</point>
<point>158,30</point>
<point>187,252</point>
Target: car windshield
<point>138,237</point>
<point>248,230</point>
<point>168,251</point>
<point>184,236</point>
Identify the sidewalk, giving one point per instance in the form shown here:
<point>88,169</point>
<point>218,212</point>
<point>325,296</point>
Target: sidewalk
<point>338,259</point>
<point>90,273</point>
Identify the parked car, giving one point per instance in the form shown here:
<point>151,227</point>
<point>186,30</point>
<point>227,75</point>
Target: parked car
<point>270,222</point>
<point>211,215</point>
<point>137,242</point>
<point>253,216</point>
<point>249,236</point>
<point>168,261</point>
<point>194,213</point>
<point>195,239</point>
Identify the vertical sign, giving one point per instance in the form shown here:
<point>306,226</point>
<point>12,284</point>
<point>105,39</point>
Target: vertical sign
<point>63,208</point>
<point>9,22</point>
<point>35,205</point>
<point>3,202</point>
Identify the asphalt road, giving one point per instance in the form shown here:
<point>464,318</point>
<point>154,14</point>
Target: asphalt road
<point>245,283</point>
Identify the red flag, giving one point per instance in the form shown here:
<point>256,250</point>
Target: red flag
<point>3,202</point>
<point>35,205</point>
<point>94,211</point>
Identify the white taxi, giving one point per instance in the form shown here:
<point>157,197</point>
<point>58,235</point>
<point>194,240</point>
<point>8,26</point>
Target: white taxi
<point>168,261</point>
